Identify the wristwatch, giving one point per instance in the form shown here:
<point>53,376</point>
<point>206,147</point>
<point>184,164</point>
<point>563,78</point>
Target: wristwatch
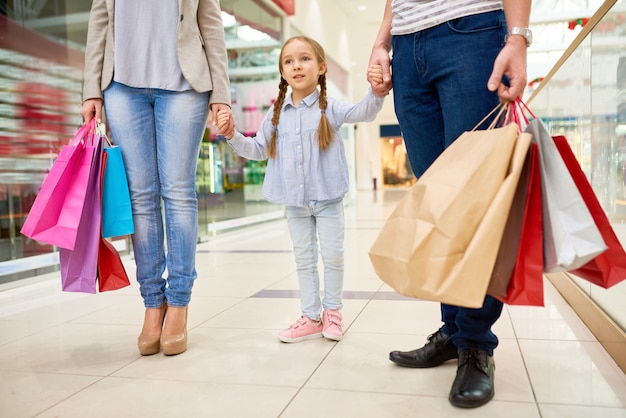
<point>525,32</point>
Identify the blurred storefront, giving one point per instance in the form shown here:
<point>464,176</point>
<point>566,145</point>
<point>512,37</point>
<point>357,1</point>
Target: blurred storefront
<point>41,62</point>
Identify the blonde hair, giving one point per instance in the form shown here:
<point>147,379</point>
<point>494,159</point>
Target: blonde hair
<point>325,133</point>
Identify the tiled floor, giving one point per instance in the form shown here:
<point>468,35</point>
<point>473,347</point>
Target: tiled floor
<point>74,355</point>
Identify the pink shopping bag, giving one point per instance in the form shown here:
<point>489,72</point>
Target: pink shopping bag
<point>55,214</point>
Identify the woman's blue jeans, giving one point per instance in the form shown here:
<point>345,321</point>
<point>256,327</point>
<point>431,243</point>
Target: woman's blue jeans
<point>325,219</point>
<point>159,133</point>
<point>440,90</point>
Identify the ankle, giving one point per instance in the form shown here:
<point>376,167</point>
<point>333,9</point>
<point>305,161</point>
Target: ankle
<point>153,320</point>
<point>175,320</point>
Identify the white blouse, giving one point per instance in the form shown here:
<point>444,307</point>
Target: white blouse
<point>145,45</point>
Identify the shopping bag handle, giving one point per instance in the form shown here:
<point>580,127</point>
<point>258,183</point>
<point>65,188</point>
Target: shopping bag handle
<point>101,130</point>
<point>83,132</point>
<point>524,107</point>
<point>500,109</point>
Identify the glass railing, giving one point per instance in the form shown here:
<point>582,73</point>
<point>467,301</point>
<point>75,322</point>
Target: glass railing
<point>584,98</point>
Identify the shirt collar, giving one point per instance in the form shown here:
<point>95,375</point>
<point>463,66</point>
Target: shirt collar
<point>308,101</point>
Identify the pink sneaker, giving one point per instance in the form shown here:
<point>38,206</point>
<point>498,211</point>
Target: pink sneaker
<point>303,329</point>
<point>333,327</point>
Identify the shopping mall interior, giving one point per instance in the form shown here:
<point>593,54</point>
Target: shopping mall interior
<point>66,354</point>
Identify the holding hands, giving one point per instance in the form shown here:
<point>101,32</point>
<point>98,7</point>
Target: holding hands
<point>379,81</point>
<point>379,72</point>
<point>225,123</point>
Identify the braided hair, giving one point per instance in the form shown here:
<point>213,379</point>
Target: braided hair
<point>324,131</point>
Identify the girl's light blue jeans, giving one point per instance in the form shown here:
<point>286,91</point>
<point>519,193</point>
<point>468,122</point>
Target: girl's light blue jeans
<point>159,133</point>
<point>323,219</point>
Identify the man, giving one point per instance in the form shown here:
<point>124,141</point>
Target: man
<point>453,60</point>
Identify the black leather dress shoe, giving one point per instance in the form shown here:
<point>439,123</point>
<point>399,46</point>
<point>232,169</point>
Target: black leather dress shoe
<point>473,385</point>
<point>437,350</point>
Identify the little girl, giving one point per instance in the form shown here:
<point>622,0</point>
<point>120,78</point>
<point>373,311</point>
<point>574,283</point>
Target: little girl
<point>307,172</point>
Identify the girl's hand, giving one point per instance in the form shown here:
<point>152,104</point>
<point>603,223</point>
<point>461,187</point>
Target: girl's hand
<point>224,122</point>
<point>375,73</point>
<point>379,80</point>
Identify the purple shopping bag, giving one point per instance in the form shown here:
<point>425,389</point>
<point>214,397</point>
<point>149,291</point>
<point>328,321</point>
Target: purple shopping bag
<point>79,267</point>
<point>55,214</point>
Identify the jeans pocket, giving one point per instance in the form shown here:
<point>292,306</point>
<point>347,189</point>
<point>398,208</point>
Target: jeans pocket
<point>482,22</point>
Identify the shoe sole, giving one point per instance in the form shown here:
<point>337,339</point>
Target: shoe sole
<point>469,405</point>
<point>298,339</point>
<point>332,337</point>
<point>149,351</point>
<point>422,365</point>
<point>174,349</point>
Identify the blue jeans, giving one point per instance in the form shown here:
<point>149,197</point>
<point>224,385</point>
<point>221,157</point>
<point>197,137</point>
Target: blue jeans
<point>440,90</point>
<point>159,133</point>
<point>325,219</point>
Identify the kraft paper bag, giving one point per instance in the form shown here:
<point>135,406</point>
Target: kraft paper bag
<point>441,241</point>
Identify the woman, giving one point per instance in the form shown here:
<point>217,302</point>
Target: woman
<point>159,67</point>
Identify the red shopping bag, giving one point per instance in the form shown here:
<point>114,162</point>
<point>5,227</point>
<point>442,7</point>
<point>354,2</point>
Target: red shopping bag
<point>56,211</point>
<point>79,266</point>
<point>526,281</point>
<point>111,272</point>
<point>608,268</point>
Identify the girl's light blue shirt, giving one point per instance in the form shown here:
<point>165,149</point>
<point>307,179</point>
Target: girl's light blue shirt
<point>301,172</point>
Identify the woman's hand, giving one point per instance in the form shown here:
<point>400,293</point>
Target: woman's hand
<point>92,108</point>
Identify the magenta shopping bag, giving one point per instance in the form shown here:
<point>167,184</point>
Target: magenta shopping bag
<point>55,214</point>
<point>79,267</point>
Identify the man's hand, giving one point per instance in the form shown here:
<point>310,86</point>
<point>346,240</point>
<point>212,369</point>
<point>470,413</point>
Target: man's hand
<point>511,61</point>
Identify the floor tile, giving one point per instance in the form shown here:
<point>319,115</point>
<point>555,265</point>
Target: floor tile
<point>122,397</point>
<point>317,403</point>
<point>25,394</point>
<point>573,373</point>
<point>574,411</point>
<point>81,349</point>
<point>241,356</point>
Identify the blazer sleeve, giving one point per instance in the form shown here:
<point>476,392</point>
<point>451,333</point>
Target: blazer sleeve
<point>95,49</point>
<point>212,32</point>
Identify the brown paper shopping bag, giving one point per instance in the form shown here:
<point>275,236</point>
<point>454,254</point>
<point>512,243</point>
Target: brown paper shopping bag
<point>441,241</point>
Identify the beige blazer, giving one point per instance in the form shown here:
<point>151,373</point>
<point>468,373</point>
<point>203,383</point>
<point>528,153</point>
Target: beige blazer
<point>200,44</point>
